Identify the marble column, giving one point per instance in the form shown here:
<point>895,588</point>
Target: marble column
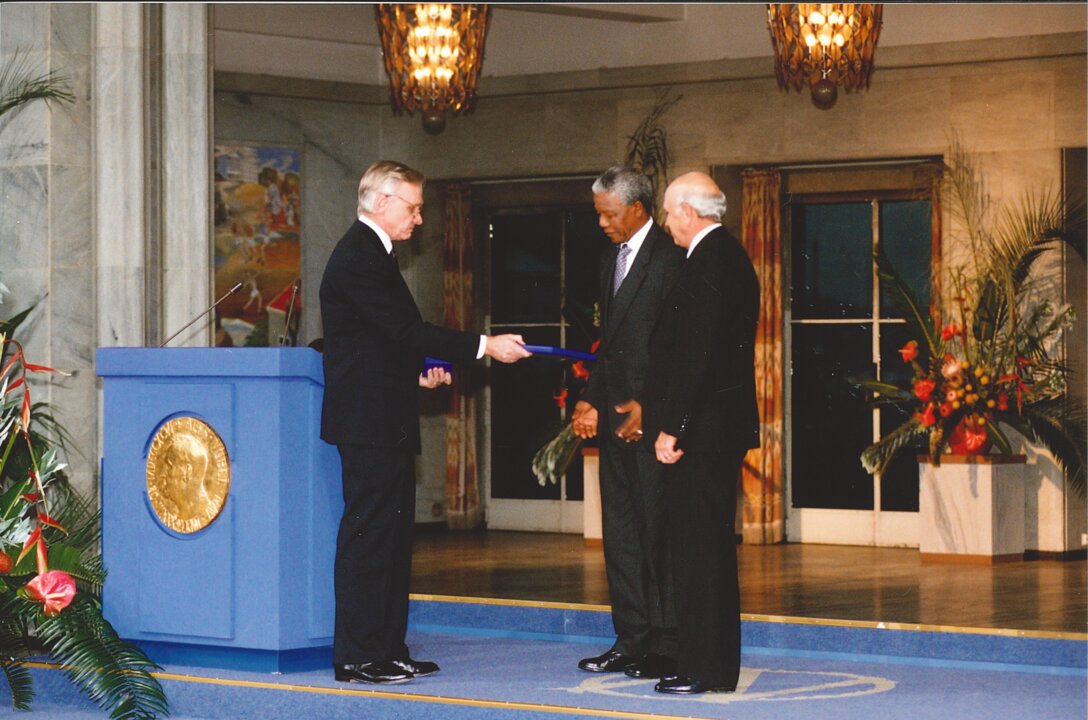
<point>186,171</point>
<point>121,217</point>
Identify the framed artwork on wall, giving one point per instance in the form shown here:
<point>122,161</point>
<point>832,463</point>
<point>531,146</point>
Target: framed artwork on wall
<point>258,199</point>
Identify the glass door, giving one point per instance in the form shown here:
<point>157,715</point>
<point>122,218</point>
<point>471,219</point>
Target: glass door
<point>841,323</point>
<point>543,279</point>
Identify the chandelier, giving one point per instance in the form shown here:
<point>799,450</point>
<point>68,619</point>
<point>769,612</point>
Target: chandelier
<point>823,46</point>
<point>433,53</point>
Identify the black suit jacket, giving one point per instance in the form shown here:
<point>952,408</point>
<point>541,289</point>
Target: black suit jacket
<point>623,357</point>
<point>701,387</point>
<point>375,342</point>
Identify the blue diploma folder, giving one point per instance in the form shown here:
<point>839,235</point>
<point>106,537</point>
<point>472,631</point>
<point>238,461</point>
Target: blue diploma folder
<point>431,362</point>
<point>559,352</point>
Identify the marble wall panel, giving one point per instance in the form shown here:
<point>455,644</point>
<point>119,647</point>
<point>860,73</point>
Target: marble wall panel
<point>24,231</point>
<point>24,25</point>
<point>24,143</point>
<point>1070,99</point>
<point>1004,110</point>
<point>122,325</point>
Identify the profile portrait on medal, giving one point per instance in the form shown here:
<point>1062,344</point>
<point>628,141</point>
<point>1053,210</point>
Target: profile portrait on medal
<point>187,474</point>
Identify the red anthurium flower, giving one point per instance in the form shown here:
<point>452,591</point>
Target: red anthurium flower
<point>924,388</point>
<point>926,417</point>
<point>973,438</point>
<point>561,398</point>
<point>54,589</point>
<point>950,331</point>
<point>909,351</point>
<point>6,563</point>
<point>579,370</point>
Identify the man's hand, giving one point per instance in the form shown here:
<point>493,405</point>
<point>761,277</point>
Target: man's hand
<point>665,448</point>
<point>631,429</point>
<point>434,377</point>
<point>584,420</point>
<point>506,348</point>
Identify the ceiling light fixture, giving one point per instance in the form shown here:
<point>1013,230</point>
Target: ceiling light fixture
<point>823,46</point>
<point>433,54</point>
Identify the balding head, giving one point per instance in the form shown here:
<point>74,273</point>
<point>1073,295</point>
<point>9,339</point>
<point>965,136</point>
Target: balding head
<point>693,202</point>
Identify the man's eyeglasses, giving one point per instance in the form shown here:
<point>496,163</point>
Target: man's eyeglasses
<point>412,207</point>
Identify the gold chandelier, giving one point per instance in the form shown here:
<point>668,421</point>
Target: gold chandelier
<point>433,53</point>
<point>824,45</point>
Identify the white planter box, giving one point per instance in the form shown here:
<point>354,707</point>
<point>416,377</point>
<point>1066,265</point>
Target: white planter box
<point>971,509</point>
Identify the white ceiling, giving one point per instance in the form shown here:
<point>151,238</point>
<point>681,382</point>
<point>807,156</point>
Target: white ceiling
<point>339,42</point>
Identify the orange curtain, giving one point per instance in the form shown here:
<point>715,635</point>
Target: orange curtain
<point>462,481</point>
<point>761,473</point>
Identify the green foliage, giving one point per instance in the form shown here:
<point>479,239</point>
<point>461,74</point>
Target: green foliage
<point>648,149</point>
<point>992,364</point>
<point>20,84</point>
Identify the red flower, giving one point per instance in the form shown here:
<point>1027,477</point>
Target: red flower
<point>924,388</point>
<point>926,417</point>
<point>561,399</point>
<point>950,330</point>
<point>596,344</point>
<point>579,370</point>
<point>909,351</point>
<point>973,439</point>
<point>6,563</point>
<point>945,409</point>
<point>54,589</point>
<point>1002,402</point>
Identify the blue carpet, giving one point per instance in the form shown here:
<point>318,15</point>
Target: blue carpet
<point>528,671</point>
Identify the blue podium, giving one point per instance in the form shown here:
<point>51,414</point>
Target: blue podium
<point>249,583</point>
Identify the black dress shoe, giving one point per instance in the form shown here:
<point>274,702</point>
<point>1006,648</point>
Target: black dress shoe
<point>611,661</point>
<point>680,685</point>
<point>381,673</point>
<point>418,668</point>
<point>652,666</point>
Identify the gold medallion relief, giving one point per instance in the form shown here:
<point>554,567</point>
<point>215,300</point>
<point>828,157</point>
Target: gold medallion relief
<point>188,474</point>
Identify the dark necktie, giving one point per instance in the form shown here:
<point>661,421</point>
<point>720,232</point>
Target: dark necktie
<point>621,268</point>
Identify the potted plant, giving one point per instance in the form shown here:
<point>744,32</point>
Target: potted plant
<point>985,361</point>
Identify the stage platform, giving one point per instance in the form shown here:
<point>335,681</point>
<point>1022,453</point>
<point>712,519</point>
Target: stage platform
<point>1024,655</point>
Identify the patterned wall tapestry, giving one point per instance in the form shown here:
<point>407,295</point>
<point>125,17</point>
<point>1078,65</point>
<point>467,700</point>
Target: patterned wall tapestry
<point>258,198</point>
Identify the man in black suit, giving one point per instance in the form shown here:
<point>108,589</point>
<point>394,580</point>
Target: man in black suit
<point>374,344</point>
<point>634,277</point>
<point>700,410</point>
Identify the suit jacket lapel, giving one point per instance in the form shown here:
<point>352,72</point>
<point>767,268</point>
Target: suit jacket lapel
<point>621,303</point>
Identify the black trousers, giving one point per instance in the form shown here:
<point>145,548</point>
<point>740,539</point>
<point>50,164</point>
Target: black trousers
<point>701,492</point>
<point>636,556</point>
<point>374,554</point>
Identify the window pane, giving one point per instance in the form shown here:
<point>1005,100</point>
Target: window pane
<point>525,275</point>
<point>899,483</point>
<point>832,261</point>
<point>906,235</point>
<point>585,243</point>
<point>831,422</point>
<point>524,416</point>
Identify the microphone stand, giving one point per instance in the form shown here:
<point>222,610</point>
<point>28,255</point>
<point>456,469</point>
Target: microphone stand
<point>214,305</point>
<point>287,318</point>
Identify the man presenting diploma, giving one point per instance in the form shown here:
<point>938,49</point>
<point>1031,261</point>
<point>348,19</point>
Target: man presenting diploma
<point>375,341</point>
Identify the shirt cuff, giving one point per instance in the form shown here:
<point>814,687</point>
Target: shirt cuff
<point>483,346</point>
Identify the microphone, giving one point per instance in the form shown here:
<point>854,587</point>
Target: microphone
<point>227,294</point>
<point>287,318</point>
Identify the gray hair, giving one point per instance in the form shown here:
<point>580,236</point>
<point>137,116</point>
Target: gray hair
<point>705,205</point>
<point>628,184</point>
<point>381,178</point>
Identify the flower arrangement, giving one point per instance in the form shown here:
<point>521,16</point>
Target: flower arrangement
<point>50,571</point>
<point>986,362</point>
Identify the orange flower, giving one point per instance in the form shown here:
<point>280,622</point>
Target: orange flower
<point>950,330</point>
<point>926,417</point>
<point>909,351</point>
<point>924,388</point>
<point>54,590</point>
<point>561,399</point>
<point>6,563</point>
<point>579,370</point>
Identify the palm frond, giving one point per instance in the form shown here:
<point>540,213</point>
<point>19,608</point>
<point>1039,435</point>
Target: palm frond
<point>21,83</point>
<point>877,457</point>
<point>112,672</point>
<point>552,460</point>
<point>1062,431</point>
<point>904,298</point>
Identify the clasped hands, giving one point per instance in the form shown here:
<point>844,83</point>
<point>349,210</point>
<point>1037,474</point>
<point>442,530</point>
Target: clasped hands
<point>584,420</point>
